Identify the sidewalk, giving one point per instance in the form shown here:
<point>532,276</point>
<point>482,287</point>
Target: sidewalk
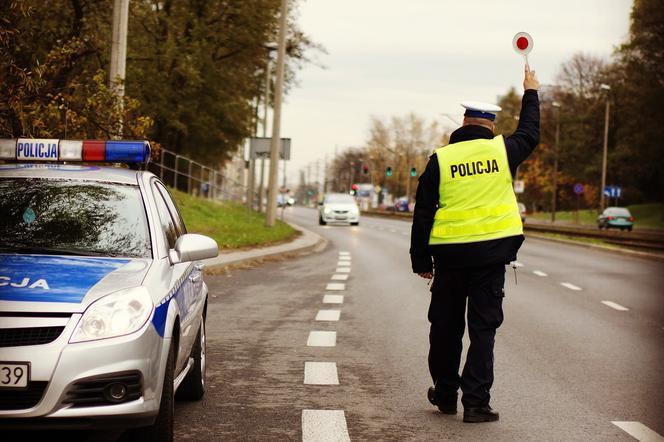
<point>307,241</point>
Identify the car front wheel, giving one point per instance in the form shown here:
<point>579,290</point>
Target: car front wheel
<point>193,385</point>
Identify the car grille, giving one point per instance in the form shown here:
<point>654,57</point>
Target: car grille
<point>15,337</point>
<point>19,399</point>
<point>92,392</point>
<point>341,211</point>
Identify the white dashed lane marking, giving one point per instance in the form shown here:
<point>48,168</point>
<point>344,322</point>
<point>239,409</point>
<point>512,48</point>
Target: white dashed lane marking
<point>343,263</point>
<point>570,286</point>
<point>393,231</point>
<point>345,258</point>
<point>517,264</point>
<point>333,299</point>
<point>343,252</point>
<point>343,270</point>
<point>328,315</point>
<point>335,286</point>
<point>339,277</point>
<point>324,425</point>
<point>322,339</point>
<point>639,431</point>
<point>405,233</point>
<point>321,373</point>
<point>539,273</point>
<point>615,306</point>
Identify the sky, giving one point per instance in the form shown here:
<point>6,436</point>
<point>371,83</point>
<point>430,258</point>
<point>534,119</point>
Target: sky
<point>393,57</point>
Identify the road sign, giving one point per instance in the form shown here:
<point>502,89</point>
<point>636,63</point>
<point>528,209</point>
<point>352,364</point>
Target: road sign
<point>519,186</point>
<point>259,147</point>
<point>578,188</point>
<point>612,191</point>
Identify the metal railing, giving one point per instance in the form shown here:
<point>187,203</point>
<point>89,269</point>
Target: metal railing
<point>194,178</point>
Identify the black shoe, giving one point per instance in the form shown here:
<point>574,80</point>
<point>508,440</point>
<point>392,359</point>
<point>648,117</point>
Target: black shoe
<point>446,405</point>
<point>480,414</point>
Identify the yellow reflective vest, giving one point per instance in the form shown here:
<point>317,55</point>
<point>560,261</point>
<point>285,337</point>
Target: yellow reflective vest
<point>477,201</point>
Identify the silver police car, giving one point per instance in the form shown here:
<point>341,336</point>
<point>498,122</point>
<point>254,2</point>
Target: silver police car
<point>102,298</point>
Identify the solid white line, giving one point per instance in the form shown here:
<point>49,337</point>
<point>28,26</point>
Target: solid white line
<point>333,299</point>
<point>343,270</point>
<point>639,431</point>
<point>570,286</point>
<point>336,286</point>
<point>339,277</point>
<point>615,306</point>
<point>539,273</point>
<point>328,315</point>
<point>322,339</point>
<point>321,373</point>
<point>343,263</point>
<point>324,426</point>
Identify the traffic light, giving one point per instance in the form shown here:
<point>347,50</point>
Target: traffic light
<point>388,171</point>
<point>413,171</point>
<point>353,189</point>
<point>365,169</point>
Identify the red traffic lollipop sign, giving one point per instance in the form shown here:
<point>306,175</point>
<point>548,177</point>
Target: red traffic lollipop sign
<point>523,44</point>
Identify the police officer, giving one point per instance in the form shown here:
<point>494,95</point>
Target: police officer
<point>467,226</point>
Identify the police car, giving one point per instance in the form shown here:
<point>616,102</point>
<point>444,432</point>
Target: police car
<point>102,299</point>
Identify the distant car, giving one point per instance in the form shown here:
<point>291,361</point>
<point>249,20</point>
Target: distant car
<point>401,205</point>
<point>522,212</point>
<point>102,297</point>
<point>338,207</point>
<point>617,217</point>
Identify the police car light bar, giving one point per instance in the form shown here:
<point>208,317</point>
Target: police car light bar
<point>43,149</point>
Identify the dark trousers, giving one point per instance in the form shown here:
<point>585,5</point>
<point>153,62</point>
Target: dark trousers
<point>483,287</point>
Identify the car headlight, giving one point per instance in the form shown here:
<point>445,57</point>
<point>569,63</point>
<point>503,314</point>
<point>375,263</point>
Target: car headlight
<point>327,210</point>
<point>117,314</point>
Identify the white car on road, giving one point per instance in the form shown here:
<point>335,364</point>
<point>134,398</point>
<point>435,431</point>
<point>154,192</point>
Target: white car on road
<point>338,208</point>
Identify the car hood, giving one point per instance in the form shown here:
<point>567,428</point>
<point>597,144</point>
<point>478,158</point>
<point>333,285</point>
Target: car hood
<point>48,283</point>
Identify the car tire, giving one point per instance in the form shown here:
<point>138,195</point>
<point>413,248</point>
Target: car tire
<point>162,429</point>
<point>193,385</point>
<point>321,222</point>
<point>355,224</point>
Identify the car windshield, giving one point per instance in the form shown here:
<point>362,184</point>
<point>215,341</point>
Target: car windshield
<point>72,217</point>
<point>339,198</point>
<point>617,211</point>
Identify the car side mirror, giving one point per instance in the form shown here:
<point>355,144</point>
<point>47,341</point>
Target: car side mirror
<point>193,247</point>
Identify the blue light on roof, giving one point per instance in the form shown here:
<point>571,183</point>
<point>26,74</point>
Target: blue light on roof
<point>127,151</point>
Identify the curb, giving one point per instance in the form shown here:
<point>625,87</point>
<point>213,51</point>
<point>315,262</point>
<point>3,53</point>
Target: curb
<point>307,242</point>
<point>617,251</point>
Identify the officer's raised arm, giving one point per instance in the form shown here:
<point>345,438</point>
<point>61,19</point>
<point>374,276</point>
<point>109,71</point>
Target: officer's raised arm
<point>523,141</point>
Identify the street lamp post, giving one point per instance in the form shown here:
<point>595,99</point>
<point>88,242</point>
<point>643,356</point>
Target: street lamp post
<point>554,195</point>
<point>607,88</point>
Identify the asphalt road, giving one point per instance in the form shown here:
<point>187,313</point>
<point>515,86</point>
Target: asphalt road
<point>567,365</point>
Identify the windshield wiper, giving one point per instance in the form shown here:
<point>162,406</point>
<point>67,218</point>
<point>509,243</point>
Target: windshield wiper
<point>50,251</point>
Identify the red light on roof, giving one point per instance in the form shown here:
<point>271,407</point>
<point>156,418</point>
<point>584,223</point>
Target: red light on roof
<point>94,150</point>
<point>522,43</point>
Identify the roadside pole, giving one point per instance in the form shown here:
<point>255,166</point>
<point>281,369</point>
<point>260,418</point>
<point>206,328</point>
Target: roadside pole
<point>554,193</point>
<point>276,120</point>
<point>607,88</point>
<point>119,51</point>
<point>261,185</point>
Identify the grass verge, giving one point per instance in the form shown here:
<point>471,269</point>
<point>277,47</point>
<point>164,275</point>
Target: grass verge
<point>229,223</point>
<point>650,216</point>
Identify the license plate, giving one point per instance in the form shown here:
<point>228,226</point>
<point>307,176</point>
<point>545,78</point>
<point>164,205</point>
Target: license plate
<point>14,374</point>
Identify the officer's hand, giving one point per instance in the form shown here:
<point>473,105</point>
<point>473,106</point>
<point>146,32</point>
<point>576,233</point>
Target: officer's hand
<point>530,80</point>
<point>426,275</point>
